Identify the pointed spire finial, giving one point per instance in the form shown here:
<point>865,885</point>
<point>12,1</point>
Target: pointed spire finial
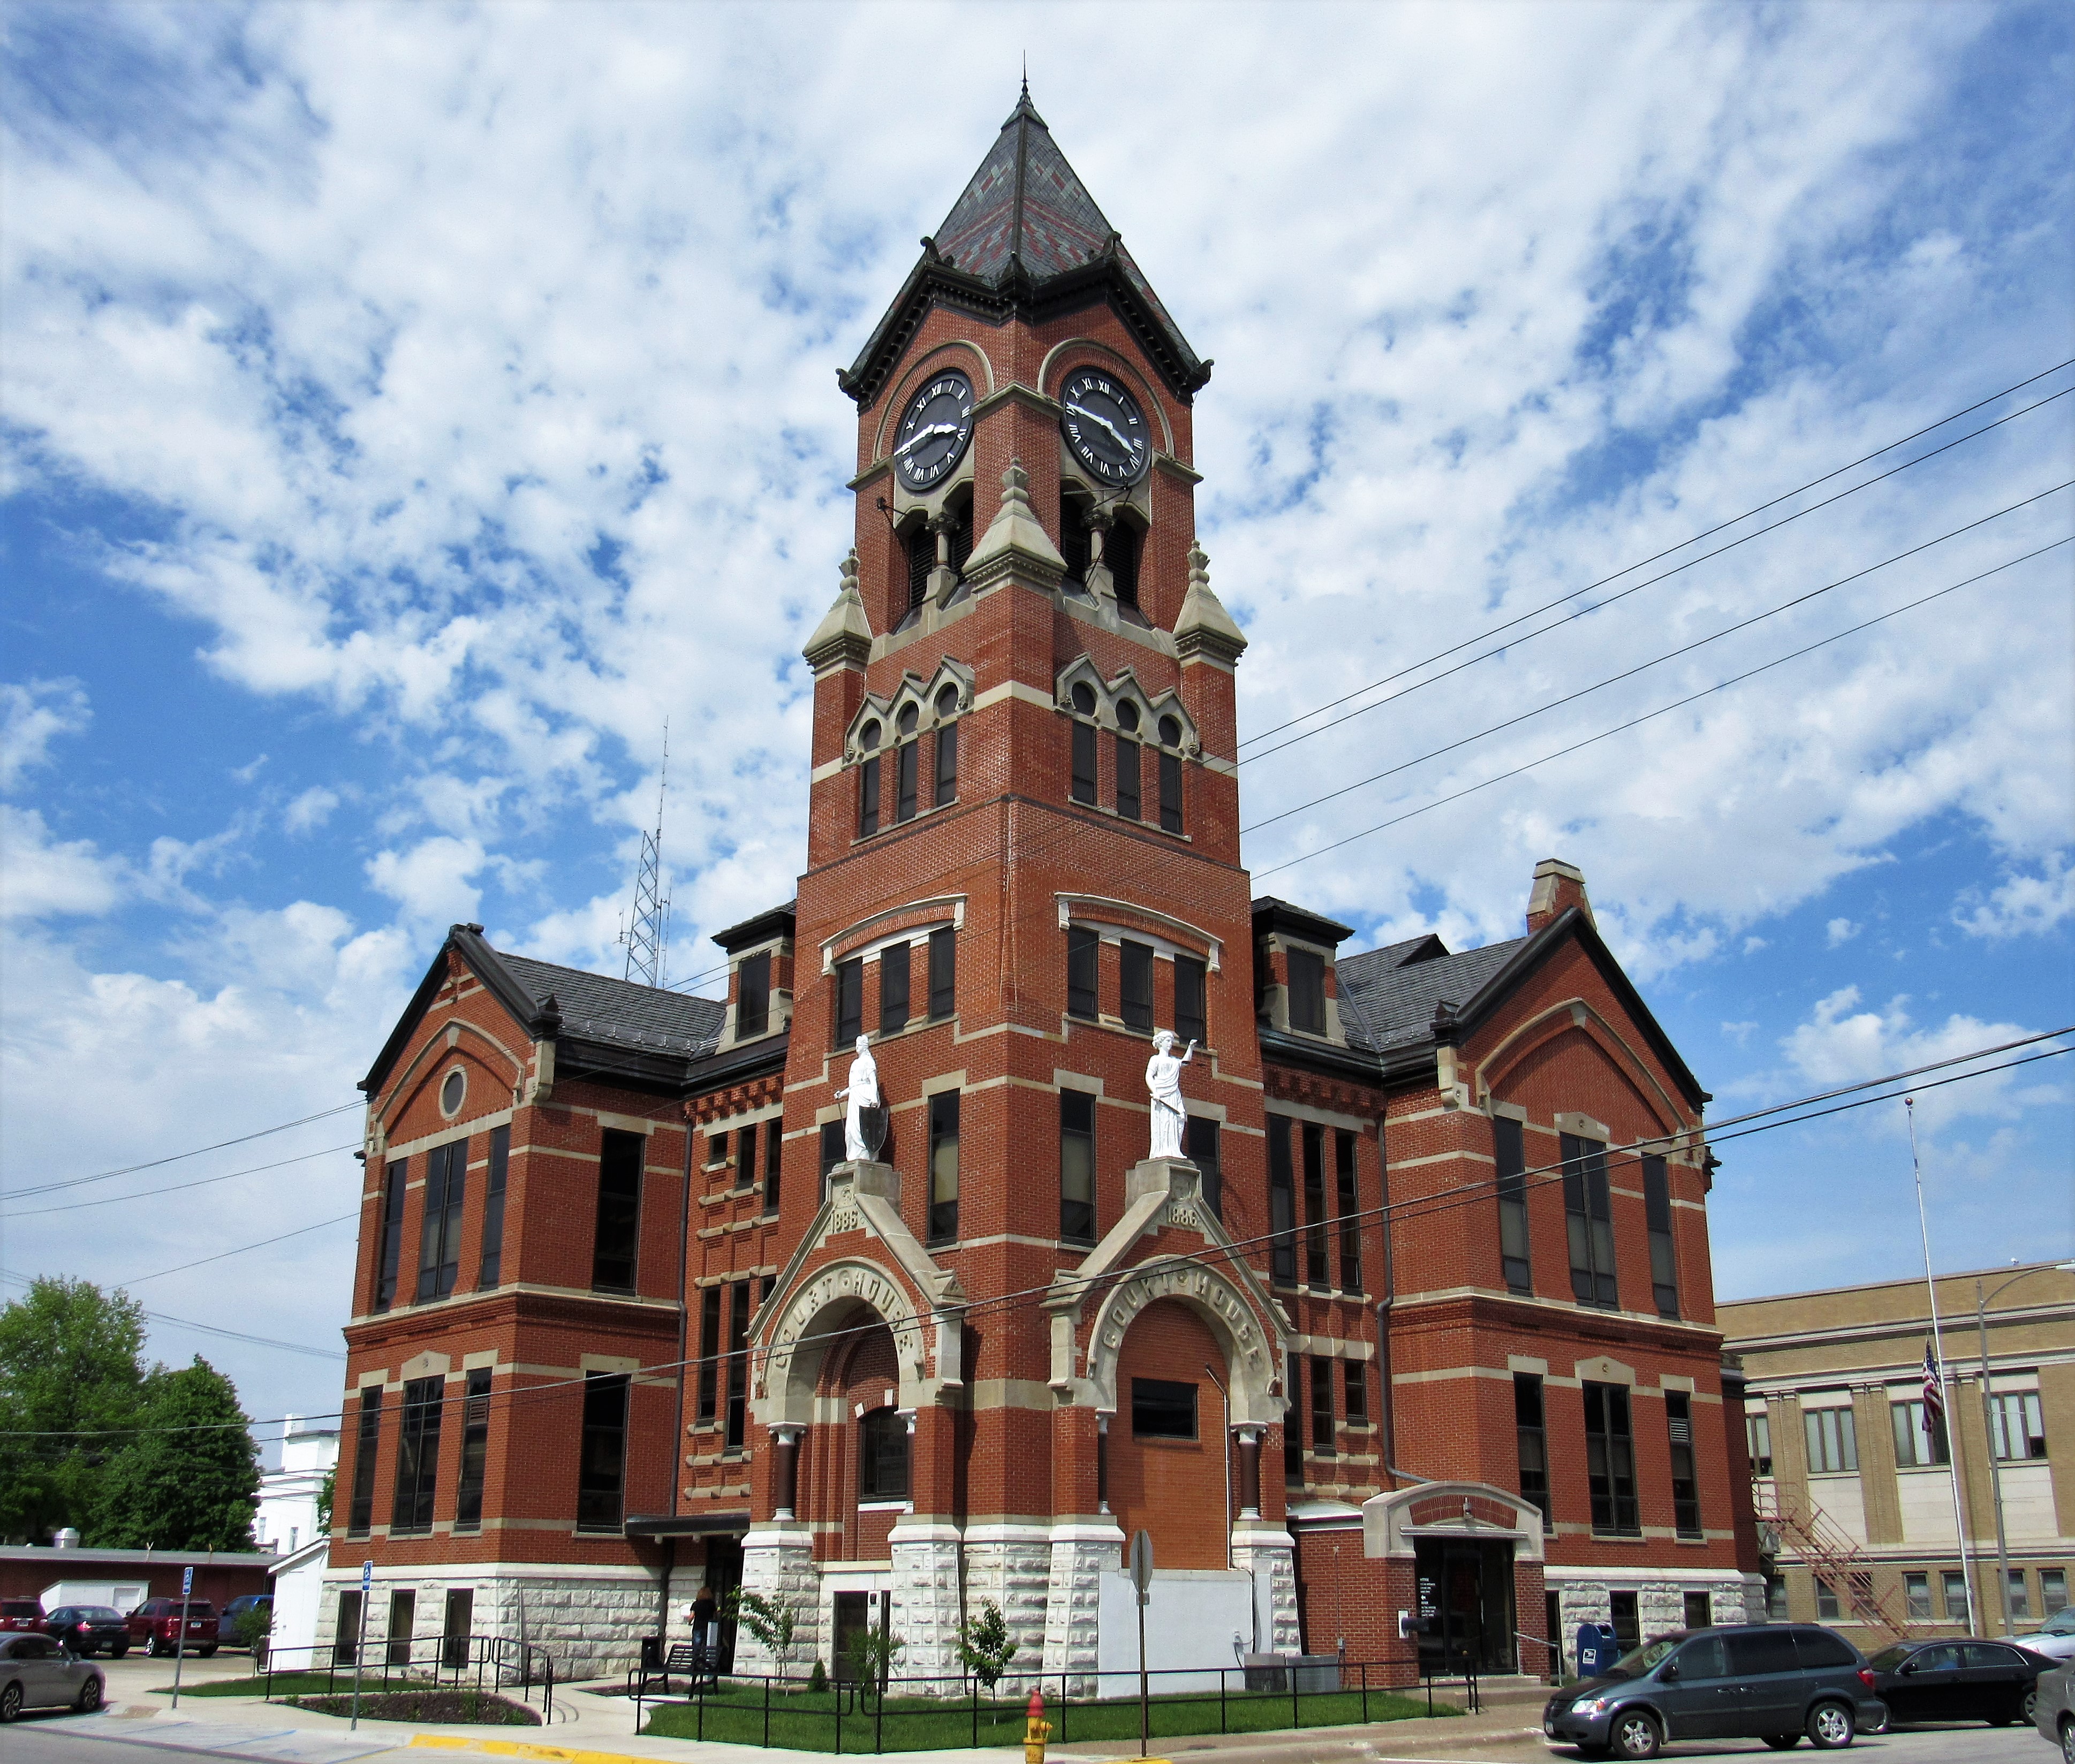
<point>1026,75</point>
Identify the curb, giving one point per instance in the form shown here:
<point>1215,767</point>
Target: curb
<point>554,1754</point>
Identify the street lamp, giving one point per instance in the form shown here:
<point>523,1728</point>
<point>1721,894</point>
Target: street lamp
<point>1981,1298</point>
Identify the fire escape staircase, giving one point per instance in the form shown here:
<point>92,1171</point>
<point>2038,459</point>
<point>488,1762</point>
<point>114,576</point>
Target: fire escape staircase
<point>1827,1552</point>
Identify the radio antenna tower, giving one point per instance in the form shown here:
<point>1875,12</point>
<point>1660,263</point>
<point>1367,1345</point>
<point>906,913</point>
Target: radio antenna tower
<point>648,935</point>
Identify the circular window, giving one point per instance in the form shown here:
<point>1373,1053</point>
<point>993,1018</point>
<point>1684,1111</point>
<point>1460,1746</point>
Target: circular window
<point>1170,732</point>
<point>1127,716</point>
<point>452,1090</point>
<point>906,721</point>
<point>868,738</point>
<point>947,701</point>
<point>1084,698</point>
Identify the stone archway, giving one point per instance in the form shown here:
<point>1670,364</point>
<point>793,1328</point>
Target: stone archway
<point>820,1313</point>
<point>1252,1347</point>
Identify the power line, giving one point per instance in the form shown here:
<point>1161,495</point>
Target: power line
<point>299,1232</point>
<point>1634,722</point>
<point>1550,605</point>
<point>206,1329</point>
<point>178,1187</point>
<point>130,1169</point>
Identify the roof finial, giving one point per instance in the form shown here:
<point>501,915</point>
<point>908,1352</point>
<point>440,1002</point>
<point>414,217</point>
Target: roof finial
<point>1026,75</point>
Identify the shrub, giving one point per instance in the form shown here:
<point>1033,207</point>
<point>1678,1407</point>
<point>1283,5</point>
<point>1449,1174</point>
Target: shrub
<point>984,1647</point>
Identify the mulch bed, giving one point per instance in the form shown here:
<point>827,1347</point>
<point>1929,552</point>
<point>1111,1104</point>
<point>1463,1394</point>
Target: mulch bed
<point>475,1708</point>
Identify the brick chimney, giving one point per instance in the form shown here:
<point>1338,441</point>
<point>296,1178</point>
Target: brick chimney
<point>1557,885</point>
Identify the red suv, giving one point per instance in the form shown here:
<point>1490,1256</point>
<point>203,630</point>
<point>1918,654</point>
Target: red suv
<point>156,1623</point>
<point>20,1614</point>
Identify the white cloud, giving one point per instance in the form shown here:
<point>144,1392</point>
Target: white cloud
<point>41,878</point>
<point>1840,931</point>
<point>2022,905</point>
<point>1739,1032</point>
<point>310,810</point>
<point>33,715</point>
<point>431,881</point>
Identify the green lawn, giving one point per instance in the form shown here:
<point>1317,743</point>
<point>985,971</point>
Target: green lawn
<point>807,1722</point>
<point>285,1684</point>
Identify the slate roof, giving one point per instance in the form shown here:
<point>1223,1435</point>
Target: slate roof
<point>603,1008</point>
<point>1395,989</point>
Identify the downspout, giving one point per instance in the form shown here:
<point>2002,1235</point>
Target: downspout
<point>677,1418</point>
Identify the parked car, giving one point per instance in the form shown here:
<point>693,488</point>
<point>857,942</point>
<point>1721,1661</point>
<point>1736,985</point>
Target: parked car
<point>20,1614</point>
<point>1962,1680</point>
<point>227,1624</point>
<point>156,1623</point>
<point>2054,1638</point>
<point>89,1628</point>
<point>36,1673</point>
<point>2053,1710</point>
<point>1774,1681</point>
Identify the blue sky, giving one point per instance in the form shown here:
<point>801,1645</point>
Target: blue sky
<point>407,410</point>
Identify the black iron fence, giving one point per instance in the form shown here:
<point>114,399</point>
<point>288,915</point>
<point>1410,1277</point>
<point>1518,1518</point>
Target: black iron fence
<point>479,1662</point>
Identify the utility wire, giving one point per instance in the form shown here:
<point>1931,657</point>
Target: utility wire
<point>201,1182</point>
<point>130,1169</point>
<point>207,1328</point>
<point>299,1231</point>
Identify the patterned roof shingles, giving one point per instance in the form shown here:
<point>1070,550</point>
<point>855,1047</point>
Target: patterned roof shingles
<point>597,1005</point>
<point>1390,995</point>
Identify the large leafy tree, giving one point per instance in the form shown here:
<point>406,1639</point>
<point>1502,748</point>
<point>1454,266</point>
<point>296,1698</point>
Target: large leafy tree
<point>188,1479</point>
<point>72,1376</point>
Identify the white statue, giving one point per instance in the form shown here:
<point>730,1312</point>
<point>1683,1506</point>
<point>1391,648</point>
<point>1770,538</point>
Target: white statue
<point>862,1091</point>
<point>1163,1078</point>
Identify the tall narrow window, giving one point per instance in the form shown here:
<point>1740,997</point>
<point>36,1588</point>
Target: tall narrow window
<point>1832,1437</point>
<point>1510,1149</point>
<point>367,1439</point>
<point>2018,1425</point>
<point>1170,791</point>
<point>493,1208</point>
<point>395,1180</point>
<point>474,1449</point>
<point>868,798</point>
<point>1073,539</point>
<point>1589,1213</point>
<point>752,996</point>
<point>943,1167</point>
<point>1083,949</point>
<point>943,971</point>
<point>417,1455</point>
<point>1136,962</point>
<point>882,1455</point>
<point>1077,1167</point>
<point>1307,991</point>
<point>602,1455</point>
<point>1323,1438</point>
<point>403,1619</point>
<point>1120,551</point>
<point>922,544</point>
<point>1128,773</point>
<point>745,1156</point>
<point>1685,1484</point>
<point>832,1153</point>
<point>1084,762</point>
<point>774,1155</point>
<point>905,771</point>
<point>439,1235</point>
<point>709,1353</point>
<point>1191,1023</point>
<point>1758,1443</point>
<point>1916,1592</point>
<point>1282,1203</point>
<point>1317,1262</point>
<point>959,525</point>
<point>1953,1586</point>
<point>1350,1208</point>
<point>947,748</point>
<point>1355,1383</point>
<point>457,1623</point>
<point>735,1429</point>
<point>849,1000</point>
<point>2053,1591</point>
<point>894,969</point>
<point>1199,1140</point>
<point>619,1211</point>
<point>346,1638</point>
<point>1657,1210</point>
<point>1827,1608</point>
<point>1293,1419</point>
<point>1610,1460</point>
<point>1531,1432</point>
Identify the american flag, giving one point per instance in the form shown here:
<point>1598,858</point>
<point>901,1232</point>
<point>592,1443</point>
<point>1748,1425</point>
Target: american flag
<point>1934,1394</point>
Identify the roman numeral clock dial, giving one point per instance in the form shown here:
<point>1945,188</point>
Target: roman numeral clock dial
<point>934,432</point>
<point>1105,429</point>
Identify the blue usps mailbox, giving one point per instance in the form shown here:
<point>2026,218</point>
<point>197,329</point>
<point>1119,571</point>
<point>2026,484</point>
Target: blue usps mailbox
<point>1596,1650</point>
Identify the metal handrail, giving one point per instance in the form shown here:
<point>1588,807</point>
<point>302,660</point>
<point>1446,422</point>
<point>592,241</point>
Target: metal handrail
<point>434,1661</point>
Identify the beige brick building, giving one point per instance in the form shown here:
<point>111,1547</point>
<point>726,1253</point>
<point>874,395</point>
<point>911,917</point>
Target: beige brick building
<point>1854,1488</point>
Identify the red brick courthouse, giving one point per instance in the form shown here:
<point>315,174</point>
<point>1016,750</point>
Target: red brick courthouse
<point>1422,1323</point>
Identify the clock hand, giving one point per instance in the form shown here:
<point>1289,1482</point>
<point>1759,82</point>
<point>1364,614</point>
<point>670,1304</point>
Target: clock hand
<point>1117,435</point>
<point>921,436</point>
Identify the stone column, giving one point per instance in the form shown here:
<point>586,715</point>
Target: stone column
<point>778,1561</point>
<point>925,1545</point>
<point>1082,1549</point>
<point>785,1468</point>
<point>1264,1550</point>
<point>1102,1460</point>
<point>1249,1472</point>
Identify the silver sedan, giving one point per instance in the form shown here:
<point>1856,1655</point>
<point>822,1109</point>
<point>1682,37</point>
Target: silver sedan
<point>36,1673</point>
<point>2054,1711</point>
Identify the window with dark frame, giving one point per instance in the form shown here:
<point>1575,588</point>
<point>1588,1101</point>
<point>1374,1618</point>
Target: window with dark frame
<point>745,1156</point>
<point>619,1211</point>
<point>395,1180</point>
<point>1350,1207</point>
<point>1170,792</point>
<point>1120,552</point>
<point>774,1157</point>
<point>1325,1439</point>
<point>1162,1409</point>
<point>1532,1435</point>
<point>922,548</point>
<point>1610,1460</point>
<point>1509,1153</point>
<point>1354,1385</point>
<point>1685,1484</point>
<point>1084,781</point>
<point>1831,1437</point>
<point>1827,1606</point>
<point>439,1232</point>
<point>1083,959</point>
<point>959,528</point>
<point>752,996</point>
<point>882,1455</point>
<point>944,1166</point>
<point>1282,1203</point>
<point>1307,990</point>
<point>1199,1142</point>
<point>493,1208</point>
<point>943,971</point>
<point>709,1408</point>
<point>366,1442</point>
<point>2017,1425</point>
<point>868,798</point>
<point>601,1454</point>
<point>1293,1418</point>
<point>1135,963</point>
<point>1588,1214</point>
<point>1127,777</point>
<point>1318,1271</point>
<point>1077,1167</point>
<point>832,1153</point>
<point>849,1000</point>
<point>734,1430</point>
<point>417,1455</point>
<point>474,1449</point>
<point>1073,538</point>
<point>346,1636</point>
<point>905,771</point>
<point>1191,986</point>
<point>1657,1211</point>
<point>1757,1443</point>
<point>946,790</point>
<point>894,971</point>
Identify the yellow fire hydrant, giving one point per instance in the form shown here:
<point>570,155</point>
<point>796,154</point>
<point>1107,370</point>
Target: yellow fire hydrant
<point>1036,1730</point>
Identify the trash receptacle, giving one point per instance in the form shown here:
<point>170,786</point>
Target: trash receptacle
<point>652,1653</point>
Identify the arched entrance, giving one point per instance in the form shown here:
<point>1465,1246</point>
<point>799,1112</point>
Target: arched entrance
<point>1167,1448</point>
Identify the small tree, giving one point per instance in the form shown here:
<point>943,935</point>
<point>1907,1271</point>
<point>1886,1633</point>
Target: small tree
<point>255,1623</point>
<point>771,1621</point>
<point>872,1653</point>
<point>984,1647</point>
<point>327,1493</point>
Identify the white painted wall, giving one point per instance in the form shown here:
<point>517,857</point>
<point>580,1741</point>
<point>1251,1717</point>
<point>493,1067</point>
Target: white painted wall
<point>1926,1501</point>
<point>298,1593</point>
<point>125,1596</point>
<point>1844,1503</point>
<point>1189,1626</point>
<point>2029,1514</point>
<point>287,1517</point>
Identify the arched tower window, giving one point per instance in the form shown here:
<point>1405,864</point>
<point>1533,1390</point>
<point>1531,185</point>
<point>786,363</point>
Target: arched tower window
<point>867,782</point>
<point>1073,536</point>
<point>1170,774</point>
<point>922,544</point>
<point>960,516</point>
<point>947,789</point>
<point>882,1455</point>
<point>1121,547</point>
<point>905,764</point>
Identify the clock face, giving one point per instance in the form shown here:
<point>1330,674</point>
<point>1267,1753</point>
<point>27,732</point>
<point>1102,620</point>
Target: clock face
<point>934,431</point>
<point>1105,428</point>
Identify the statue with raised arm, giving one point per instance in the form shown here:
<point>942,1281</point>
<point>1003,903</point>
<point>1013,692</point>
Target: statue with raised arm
<point>862,1136</point>
<point>1163,1078</point>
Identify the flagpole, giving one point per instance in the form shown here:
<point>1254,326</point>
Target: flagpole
<point>1938,1347</point>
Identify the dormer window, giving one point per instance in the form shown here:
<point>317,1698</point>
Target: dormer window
<point>1307,991</point>
<point>752,996</point>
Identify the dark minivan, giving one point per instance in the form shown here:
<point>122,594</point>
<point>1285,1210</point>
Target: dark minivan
<point>1774,1681</point>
